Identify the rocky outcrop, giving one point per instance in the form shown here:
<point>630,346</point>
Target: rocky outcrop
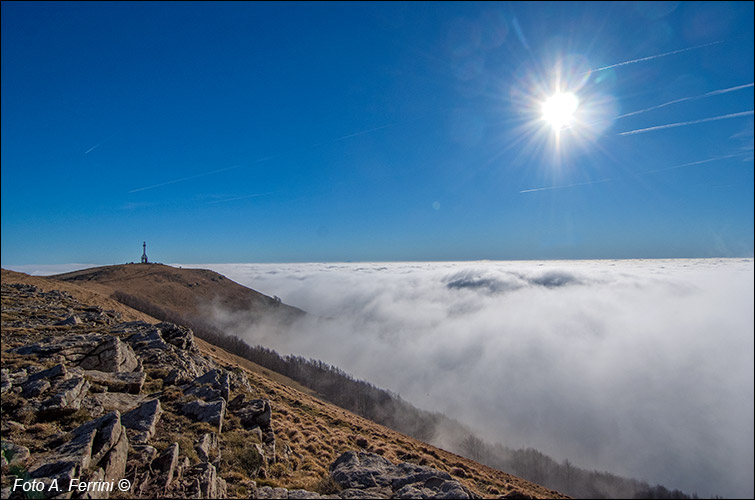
<point>67,396</point>
<point>207,447</point>
<point>256,413</point>
<point>111,355</point>
<point>367,475</point>
<point>105,353</point>
<point>166,464</point>
<point>166,346</point>
<point>368,471</point>
<point>99,443</point>
<point>214,384</point>
<point>131,382</point>
<point>141,422</point>
<point>139,385</point>
<point>201,411</point>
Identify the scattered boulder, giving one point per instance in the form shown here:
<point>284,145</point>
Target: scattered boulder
<point>269,492</point>
<point>212,385</point>
<point>5,382</point>
<point>156,351</point>
<point>69,348</point>
<point>210,484</point>
<point>361,470</point>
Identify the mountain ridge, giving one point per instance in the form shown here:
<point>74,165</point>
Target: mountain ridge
<point>313,430</point>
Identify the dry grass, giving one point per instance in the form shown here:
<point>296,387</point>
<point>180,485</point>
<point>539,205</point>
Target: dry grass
<point>315,431</point>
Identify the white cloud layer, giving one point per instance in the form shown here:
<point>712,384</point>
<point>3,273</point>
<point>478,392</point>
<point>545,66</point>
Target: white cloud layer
<point>643,367</point>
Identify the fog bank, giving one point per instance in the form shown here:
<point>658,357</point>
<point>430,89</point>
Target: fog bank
<point>643,368</point>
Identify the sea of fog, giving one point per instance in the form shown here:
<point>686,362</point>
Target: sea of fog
<point>643,368</point>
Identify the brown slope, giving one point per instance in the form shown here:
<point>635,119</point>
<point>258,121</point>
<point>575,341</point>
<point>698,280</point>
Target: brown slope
<point>83,292</point>
<point>315,430</point>
<point>190,293</point>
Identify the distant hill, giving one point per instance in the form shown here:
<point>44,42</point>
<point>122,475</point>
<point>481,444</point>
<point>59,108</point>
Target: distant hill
<point>186,292</point>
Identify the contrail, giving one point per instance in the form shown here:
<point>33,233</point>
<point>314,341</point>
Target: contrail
<point>184,179</point>
<point>361,133</point>
<point>349,136</point>
<point>692,98</point>
<point>648,58</point>
<point>691,122</point>
<point>692,163</point>
<point>92,148</point>
<point>565,186</point>
<point>259,160</point>
<point>239,198</point>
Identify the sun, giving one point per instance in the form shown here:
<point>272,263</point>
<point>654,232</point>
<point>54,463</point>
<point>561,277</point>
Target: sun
<point>558,110</point>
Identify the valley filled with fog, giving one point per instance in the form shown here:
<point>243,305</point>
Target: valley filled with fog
<point>643,368</point>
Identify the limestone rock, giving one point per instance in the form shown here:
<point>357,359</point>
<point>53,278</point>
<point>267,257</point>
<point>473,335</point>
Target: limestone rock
<point>212,412</point>
<point>269,492</point>
<point>212,385</point>
<point>71,348</point>
<point>34,388</point>
<point>256,413</point>
<point>155,351</point>
<point>302,495</point>
<point>166,464</point>
<point>67,397</point>
<point>179,336</point>
<point>118,381</point>
<point>141,421</point>
<point>207,447</point>
<point>120,401</point>
<point>100,442</point>
<point>56,371</point>
<point>362,471</point>
<point>210,484</point>
<point>70,320</point>
<point>5,382</point>
<point>111,355</point>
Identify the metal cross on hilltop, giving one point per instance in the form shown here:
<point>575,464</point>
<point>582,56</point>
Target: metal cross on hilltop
<point>144,254</point>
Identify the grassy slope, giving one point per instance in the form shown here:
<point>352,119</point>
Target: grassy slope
<point>314,429</point>
<point>185,291</point>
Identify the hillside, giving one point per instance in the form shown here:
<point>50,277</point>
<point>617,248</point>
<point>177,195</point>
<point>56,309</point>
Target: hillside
<point>270,434</point>
<point>187,292</point>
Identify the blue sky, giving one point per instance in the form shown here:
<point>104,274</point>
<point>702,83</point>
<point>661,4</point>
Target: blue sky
<point>276,132</point>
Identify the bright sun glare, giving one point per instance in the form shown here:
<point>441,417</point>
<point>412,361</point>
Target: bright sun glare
<point>558,110</point>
